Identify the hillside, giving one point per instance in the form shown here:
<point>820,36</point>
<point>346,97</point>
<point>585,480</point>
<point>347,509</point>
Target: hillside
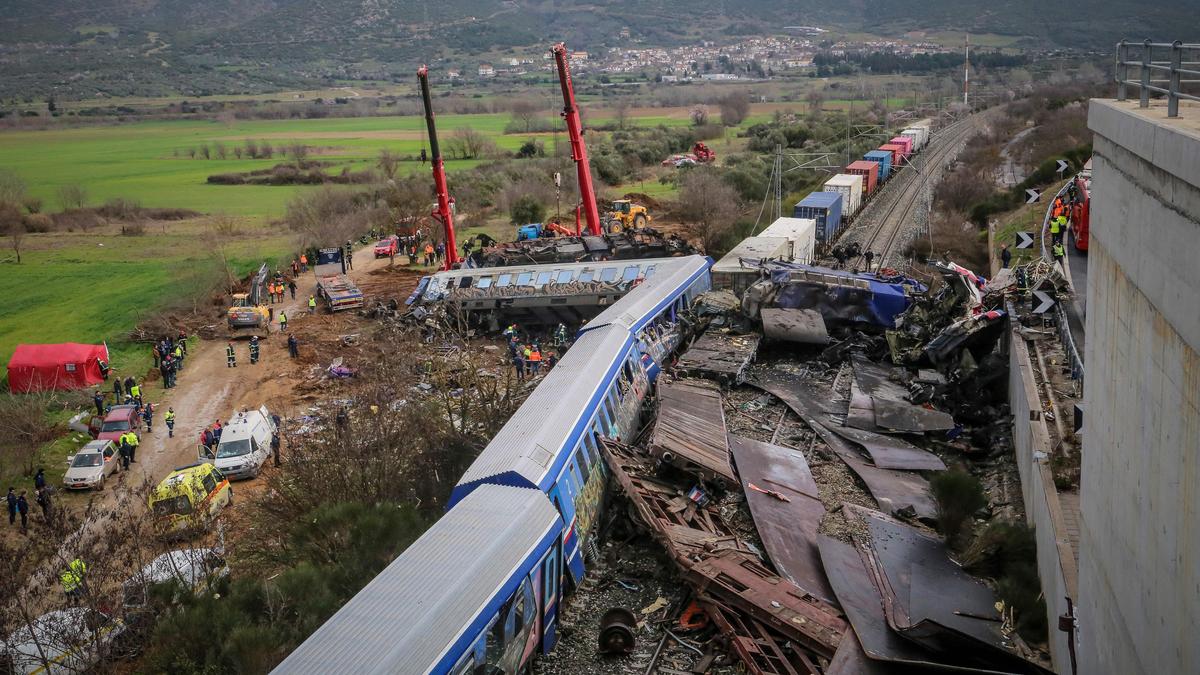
<point>89,48</point>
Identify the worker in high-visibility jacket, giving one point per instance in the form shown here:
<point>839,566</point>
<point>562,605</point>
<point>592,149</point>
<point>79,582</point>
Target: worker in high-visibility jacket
<point>169,418</point>
<point>230,356</point>
<point>312,304</point>
<point>1059,252</point>
<point>1056,226</point>
<point>72,579</point>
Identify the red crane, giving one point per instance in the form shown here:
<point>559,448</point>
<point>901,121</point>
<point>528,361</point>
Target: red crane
<point>570,113</point>
<point>443,213</point>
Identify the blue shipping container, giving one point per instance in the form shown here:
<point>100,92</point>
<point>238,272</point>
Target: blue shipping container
<point>884,159</point>
<point>826,209</point>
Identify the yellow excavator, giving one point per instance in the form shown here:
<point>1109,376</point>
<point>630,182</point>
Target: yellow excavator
<point>623,214</point>
<point>247,315</point>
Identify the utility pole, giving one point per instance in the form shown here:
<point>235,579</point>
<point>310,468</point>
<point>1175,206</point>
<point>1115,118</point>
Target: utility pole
<point>967,70</point>
<point>777,174</point>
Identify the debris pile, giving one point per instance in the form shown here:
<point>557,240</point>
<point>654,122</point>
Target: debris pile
<point>642,243</point>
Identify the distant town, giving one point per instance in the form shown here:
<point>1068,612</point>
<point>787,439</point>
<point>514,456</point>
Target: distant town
<point>749,58</point>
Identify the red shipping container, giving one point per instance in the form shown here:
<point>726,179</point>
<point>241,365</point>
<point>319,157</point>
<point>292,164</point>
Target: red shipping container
<point>906,142</point>
<point>897,153</point>
<point>868,170</point>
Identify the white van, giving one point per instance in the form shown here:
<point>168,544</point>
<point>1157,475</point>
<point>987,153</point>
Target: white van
<point>245,444</point>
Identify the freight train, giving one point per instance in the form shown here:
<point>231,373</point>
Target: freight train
<point>845,194</point>
<point>480,591</point>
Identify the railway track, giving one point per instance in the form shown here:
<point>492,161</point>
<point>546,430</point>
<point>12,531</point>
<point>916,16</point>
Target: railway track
<point>898,208</point>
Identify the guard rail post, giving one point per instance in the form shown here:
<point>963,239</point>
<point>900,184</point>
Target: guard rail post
<point>1122,69</point>
<point>1145,88</point>
<point>1173,87</point>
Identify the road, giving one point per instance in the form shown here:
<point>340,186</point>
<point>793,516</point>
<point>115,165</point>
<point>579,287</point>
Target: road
<point>206,390</point>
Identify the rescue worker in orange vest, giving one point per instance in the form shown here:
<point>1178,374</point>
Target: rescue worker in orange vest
<point>535,359</point>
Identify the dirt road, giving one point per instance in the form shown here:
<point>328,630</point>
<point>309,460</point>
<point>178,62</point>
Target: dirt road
<point>208,390</point>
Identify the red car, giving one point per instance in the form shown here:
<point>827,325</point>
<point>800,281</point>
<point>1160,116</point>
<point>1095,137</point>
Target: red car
<point>385,248</point>
<point>119,420</point>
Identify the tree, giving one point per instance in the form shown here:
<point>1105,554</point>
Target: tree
<point>12,226</point>
<point>72,196</point>
<point>699,116</point>
<point>709,207</point>
<point>734,108</point>
<point>12,187</point>
<point>527,209</point>
<point>621,112</point>
<point>815,100</point>
<point>524,114</point>
<point>388,162</point>
<point>471,144</point>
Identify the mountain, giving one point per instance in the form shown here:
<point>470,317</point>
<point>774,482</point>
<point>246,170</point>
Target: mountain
<point>82,48</point>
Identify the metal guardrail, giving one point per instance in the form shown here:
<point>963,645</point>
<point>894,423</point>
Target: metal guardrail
<point>1060,311</point>
<point>1147,58</point>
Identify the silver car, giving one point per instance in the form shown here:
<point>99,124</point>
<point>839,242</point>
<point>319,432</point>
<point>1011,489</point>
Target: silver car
<point>88,468</point>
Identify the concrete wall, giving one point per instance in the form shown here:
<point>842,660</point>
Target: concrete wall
<point>1031,441</point>
<point>1139,572</point>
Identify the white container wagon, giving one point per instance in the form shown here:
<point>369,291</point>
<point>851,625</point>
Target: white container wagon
<point>919,136</point>
<point>728,274</point>
<point>850,186</point>
<point>800,232</point>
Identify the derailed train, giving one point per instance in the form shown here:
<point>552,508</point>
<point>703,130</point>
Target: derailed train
<point>480,591</point>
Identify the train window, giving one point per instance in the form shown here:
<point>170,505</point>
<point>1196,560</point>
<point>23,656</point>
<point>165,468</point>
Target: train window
<point>650,270</point>
<point>608,274</point>
<point>518,614</point>
<point>583,467</point>
<point>542,278</point>
<point>586,276</point>
<point>466,666</point>
<point>504,280</point>
<point>524,278</point>
<point>465,282</point>
<point>589,442</point>
<point>484,282</point>
<point>564,277</point>
<point>630,273</point>
<point>575,475</point>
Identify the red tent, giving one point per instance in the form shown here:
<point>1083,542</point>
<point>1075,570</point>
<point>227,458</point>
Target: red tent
<point>64,366</point>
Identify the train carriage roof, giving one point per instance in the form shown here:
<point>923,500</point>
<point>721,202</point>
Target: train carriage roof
<point>525,450</point>
<point>640,305</point>
<point>435,594</point>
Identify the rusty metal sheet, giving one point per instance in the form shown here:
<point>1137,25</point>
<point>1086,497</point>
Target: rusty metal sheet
<point>805,326</point>
<point>890,452</point>
<point>718,356</point>
<point>860,599</point>
<point>850,659</point>
<point>890,409</point>
<point>893,490</point>
<point>690,432</point>
<point>740,581</point>
<point>930,600</point>
<point>788,515</point>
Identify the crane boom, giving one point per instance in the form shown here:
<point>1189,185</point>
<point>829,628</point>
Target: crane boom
<point>570,113</point>
<point>439,173</point>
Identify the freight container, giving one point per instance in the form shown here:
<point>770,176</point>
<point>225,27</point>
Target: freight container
<point>850,187</point>
<point>826,209</point>
<point>884,159</point>
<point>870,174</point>
<point>897,154</point>
<point>917,136</point>
<point>728,274</point>
<point>906,142</point>
<point>801,232</point>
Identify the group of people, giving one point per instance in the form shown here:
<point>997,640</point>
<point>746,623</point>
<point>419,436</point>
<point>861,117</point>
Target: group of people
<point>18,503</point>
<point>169,354</point>
<point>277,288</point>
<point>299,264</point>
<point>527,355</point>
<point>1060,215</point>
<point>210,436</point>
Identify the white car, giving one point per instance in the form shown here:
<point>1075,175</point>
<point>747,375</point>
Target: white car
<point>88,468</point>
<point>194,568</point>
<point>245,444</point>
<point>72,640</point>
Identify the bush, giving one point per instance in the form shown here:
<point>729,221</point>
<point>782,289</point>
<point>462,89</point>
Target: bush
<point>133,229</point>
<point>38,222</point>
<point>958,495</point>
<point>120,208</point>
<point>1007,552</point>
<point>527,209</point>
